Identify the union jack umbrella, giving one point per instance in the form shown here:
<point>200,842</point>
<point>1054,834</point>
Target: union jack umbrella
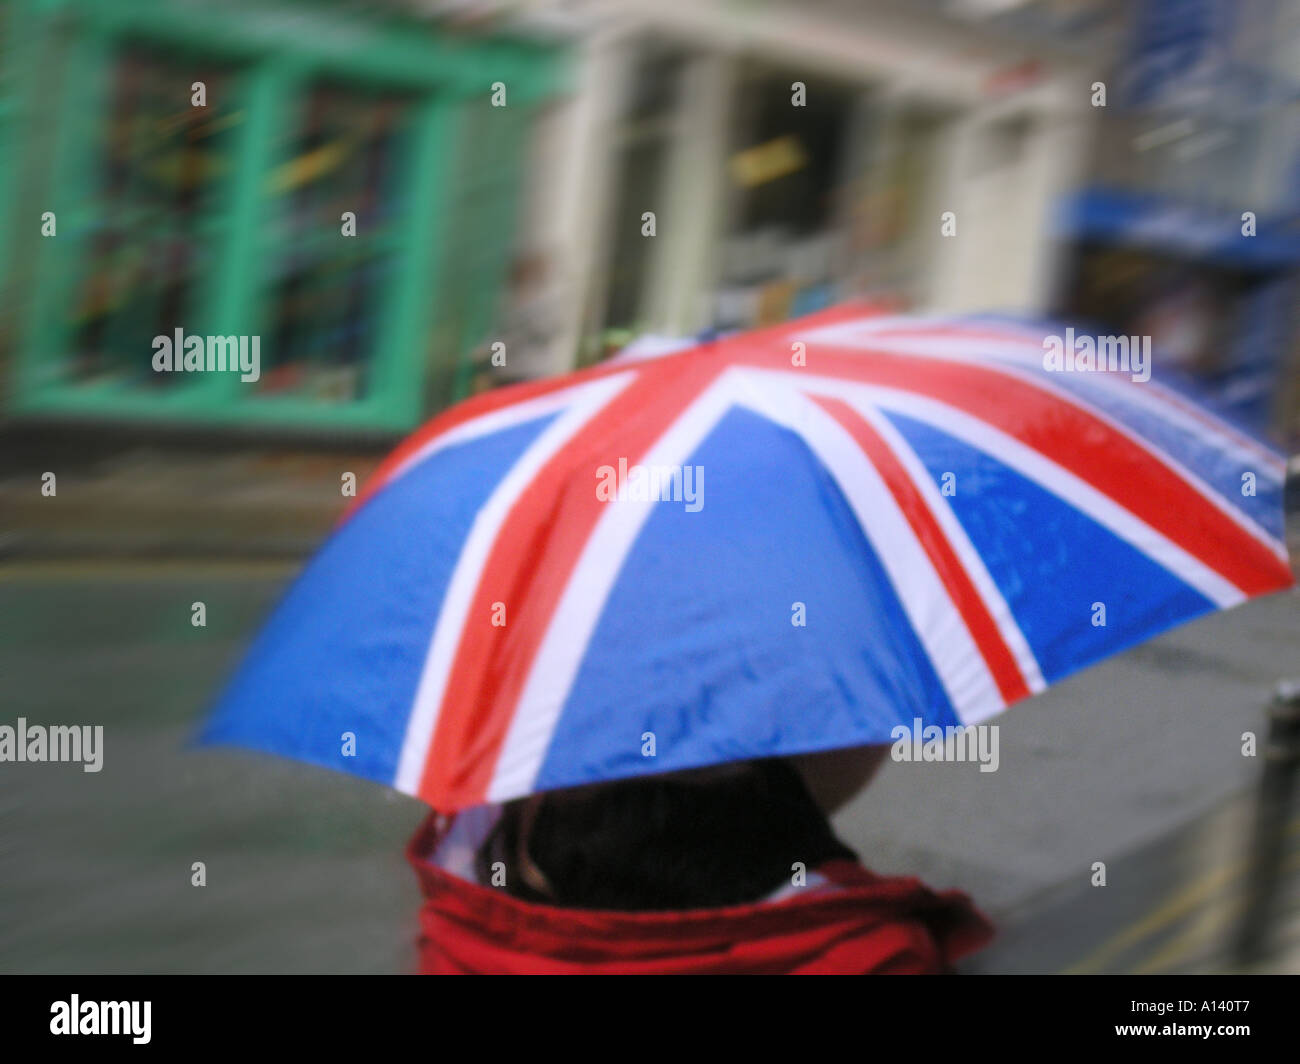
<point>779,542</point>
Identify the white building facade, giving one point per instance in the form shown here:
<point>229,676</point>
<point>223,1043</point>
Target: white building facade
<point>724,166</point>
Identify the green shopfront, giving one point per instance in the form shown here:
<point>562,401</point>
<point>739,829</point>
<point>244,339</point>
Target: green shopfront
<point>337,183</point>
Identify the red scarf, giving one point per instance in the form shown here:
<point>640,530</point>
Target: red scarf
<point>860,924</point>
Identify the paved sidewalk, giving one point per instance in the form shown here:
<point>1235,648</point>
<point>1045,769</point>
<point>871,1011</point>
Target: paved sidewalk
<point>148,502</point>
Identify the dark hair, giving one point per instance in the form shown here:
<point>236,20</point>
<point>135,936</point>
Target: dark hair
<point>679,841</point>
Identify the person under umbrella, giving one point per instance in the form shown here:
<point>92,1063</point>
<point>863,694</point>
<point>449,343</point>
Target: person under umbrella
<point>727,870</point>
<point>593,620</point>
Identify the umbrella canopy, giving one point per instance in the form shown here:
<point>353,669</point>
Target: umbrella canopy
<point>779,542</point>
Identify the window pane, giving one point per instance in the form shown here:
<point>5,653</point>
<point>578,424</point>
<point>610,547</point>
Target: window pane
<point>159,164</point>
<point>327,287</point>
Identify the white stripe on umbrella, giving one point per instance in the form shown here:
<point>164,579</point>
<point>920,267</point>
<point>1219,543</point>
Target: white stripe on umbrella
<point>486,424</point>
<point>1153,401</point>
<point>952,528</point>
<point>1155,398</point>
<point>955,533</point>
<point>582,402</point>
<point>555,665</point>
<point>982,436</point>
<point>926,601</point>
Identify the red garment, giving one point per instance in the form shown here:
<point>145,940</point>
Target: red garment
<point>860,924</point>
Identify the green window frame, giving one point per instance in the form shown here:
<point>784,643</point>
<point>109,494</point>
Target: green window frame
<point>276,52</point>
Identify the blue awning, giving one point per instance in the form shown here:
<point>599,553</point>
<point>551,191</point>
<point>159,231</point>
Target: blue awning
<point>1165,226</point>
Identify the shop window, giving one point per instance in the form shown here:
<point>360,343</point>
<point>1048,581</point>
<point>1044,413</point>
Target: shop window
<point>158,168</point>
<point>796,191</point>
<point>791,200</point>
<point>328,274</point>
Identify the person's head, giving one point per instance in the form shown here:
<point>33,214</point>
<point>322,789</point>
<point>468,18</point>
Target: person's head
<point>682,840</point>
